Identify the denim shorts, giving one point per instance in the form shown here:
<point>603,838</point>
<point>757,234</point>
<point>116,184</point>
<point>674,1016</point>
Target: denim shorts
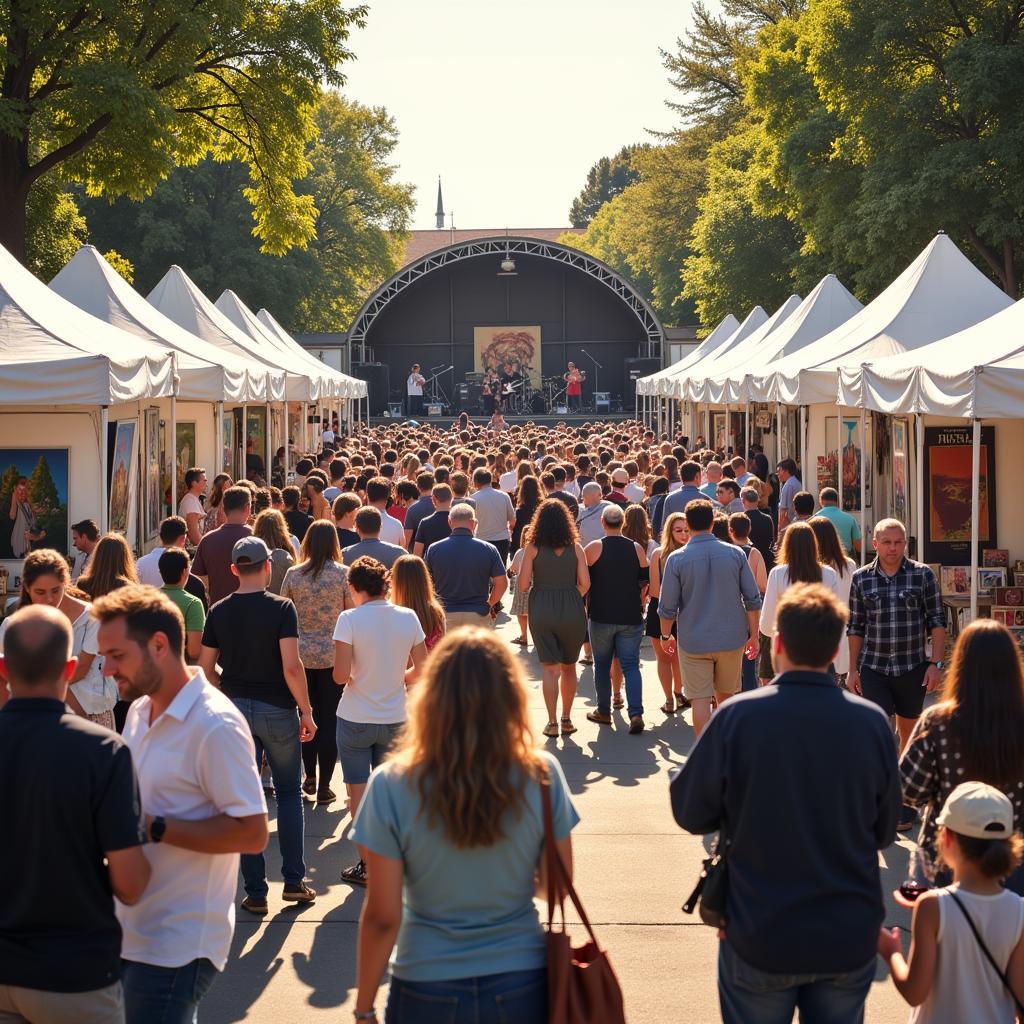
<point>361,747</point>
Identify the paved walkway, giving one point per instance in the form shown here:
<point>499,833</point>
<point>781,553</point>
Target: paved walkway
<point>634,868</point>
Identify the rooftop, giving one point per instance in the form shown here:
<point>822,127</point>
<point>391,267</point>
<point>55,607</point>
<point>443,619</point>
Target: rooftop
<point>422,242</point>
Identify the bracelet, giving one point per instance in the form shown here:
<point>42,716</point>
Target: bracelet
<point>368,1015</point>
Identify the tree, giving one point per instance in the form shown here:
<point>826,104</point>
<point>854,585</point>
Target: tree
<point>608,178</point>
<point>929,97</point>
<point>114,93</point>
<point>199,217</point>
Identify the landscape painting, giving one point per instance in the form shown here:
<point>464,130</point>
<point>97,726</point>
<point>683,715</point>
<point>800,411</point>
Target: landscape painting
<point>34,500</point>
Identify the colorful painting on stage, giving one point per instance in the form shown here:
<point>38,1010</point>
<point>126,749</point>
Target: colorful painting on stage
<point>121,474</point>
<point>947,493</point>
<point>34,500</point>
<point>494,346</point>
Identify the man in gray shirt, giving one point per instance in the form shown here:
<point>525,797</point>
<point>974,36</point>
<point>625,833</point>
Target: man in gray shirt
<point>368,527</point>
<point>495,516</point>
<point>589,522</point>
<point>708,589</point>
<point>790,489</point>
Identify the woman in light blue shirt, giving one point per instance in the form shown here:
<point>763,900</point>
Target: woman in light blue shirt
<point>455,817</point>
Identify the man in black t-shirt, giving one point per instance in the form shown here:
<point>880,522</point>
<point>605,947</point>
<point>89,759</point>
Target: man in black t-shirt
<point>69,800</point>
<point>434,527</point>
<point>253,636</point>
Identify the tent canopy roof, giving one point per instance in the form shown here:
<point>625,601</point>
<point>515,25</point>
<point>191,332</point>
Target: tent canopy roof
<point>726,327</point>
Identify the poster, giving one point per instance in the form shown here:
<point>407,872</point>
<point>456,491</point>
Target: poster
<point>947,494</point>
<point>33,491</point>
<point>121,474</point>
<point>845,448</point>
<point>154,509</point>
<point>184,453</point>
<point>520,346</point>
<point>256,444</point>
<point>228,444</point>
<point>899,470</point>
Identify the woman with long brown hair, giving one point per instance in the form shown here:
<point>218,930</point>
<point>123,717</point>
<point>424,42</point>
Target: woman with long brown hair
<point>412,587</point>
<point>271,528</point>
<point>214,509</point>
<point>528,497</point>
<point>45,580</point>
<point>798,561</point>
<point>830,550</point>
<point>674,535</point>
<point>976,733</point>
<point>556,567</point>
<point>111,567</point>
<point>318,587</point>
<point>455,815</point>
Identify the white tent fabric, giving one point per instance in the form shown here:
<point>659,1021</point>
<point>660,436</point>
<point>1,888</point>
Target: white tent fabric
<point>976,372</point>
<point>673,385</point>
<point>351,386</point>
<point>827,306</point>
<point>650,384</point>
<point>207,374</point>
<point>53,353</point>
<point>180,299</point>
<point>696,387</point>
<point>941,291</point>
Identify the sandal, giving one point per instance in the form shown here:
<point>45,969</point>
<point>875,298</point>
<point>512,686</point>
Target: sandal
<point>597,716</point>
<point>551,729</point>
<point>668,708</point>
<point>567,727</point>
<point>355,875</point>
<point>618,702</point>
<point>681,702</point>
<point>519,640</point>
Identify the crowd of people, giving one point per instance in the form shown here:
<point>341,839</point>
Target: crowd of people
<point>154,705</point>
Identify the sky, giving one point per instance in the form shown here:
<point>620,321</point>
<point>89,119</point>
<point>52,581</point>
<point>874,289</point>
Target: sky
<point>512,102</point>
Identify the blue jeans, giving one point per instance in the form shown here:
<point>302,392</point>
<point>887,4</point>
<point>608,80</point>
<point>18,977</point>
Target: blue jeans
<point>170,995</point>
<point>748,677</point>
<point>747,994</point>
<point>362,746</point>
<point>276,731</point>
<point>516,997</point>
<point>622,642</point>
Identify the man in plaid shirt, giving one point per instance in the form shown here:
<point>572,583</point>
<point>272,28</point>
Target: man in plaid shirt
<point>894,604</point>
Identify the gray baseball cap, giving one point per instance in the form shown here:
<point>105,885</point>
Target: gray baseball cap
<point>249,551</point>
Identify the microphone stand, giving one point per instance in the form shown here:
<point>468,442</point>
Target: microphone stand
<point>437,392</point>
<point>597,366</point>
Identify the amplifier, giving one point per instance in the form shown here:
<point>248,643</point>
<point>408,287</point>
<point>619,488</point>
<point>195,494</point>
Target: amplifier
<point>434,409</point>
<point>602,401</point>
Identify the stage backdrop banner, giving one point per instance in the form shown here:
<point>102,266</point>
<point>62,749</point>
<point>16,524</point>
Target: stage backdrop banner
<point>947,494</point>
<point>493,346</point>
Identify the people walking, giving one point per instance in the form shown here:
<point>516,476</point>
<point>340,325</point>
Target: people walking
<point>555,566</point>
<point>494,513</point>
<point>675,534</point>
<point>847,526</point>
<point>618,575</point>
<point>803,904</point>
<point>411,587</point>
<point>368,524</point>
<point>252,635</point>
<point>271,528</point>
<point>212,563</point>
<point>831,553</point>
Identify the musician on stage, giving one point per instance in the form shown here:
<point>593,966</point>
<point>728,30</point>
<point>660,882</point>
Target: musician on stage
<point>491,390</point>
<point>414,390</point>
<point>511,383</point>
<point>574,387</point>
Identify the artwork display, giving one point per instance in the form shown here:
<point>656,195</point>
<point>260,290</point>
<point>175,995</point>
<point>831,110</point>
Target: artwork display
<point>1009,595</point>
<point>152,461</point>
<point>899,469</point>
<point>1018,579</point>
<point>955,581</point>
<point>995,558</point>
<point>184,453</point>
<point>122,474</point>
<point>844,444</point>
<point>494,346</point>
<point>989,580</point>
<point>947,493</point>
<point>1013,618</point>
<point>34,500</point>
<point>256,442</point>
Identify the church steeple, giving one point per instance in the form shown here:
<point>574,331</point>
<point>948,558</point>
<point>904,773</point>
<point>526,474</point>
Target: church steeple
<point>440,207</point>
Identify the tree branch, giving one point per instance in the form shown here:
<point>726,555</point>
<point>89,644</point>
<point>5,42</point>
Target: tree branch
<point>69,149</point>
<point>987,254</point>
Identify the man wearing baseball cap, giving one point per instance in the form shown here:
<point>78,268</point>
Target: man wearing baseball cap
<point>253,637</point>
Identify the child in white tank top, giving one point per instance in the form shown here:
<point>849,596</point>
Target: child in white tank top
<point>948,979</point>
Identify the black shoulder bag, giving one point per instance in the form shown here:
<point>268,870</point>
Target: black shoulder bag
<point>988,956</point>
<point>712,888</point>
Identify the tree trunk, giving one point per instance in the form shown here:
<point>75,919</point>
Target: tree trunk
<point>1010,282</point>
<point>14,189</point>
<point>1003,269</point>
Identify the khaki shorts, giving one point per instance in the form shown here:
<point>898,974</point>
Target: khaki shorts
<point>101,1006</point>
<point>455,619</point>
<point>704,675</point>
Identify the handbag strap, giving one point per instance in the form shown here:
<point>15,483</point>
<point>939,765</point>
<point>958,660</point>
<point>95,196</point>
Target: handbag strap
<point>988,956</point>
<point>558,877</point>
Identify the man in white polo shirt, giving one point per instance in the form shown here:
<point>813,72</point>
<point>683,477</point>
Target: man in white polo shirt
<point>190,508</point>
<point>202,800</point>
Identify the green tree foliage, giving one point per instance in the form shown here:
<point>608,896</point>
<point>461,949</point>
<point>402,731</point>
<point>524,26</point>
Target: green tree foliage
<point>200,218</point>
<point>114,94</point>
<point>608,178</point>
<point>54,227</point>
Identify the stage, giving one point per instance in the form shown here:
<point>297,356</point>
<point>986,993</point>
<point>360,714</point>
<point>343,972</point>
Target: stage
<point>545,420</point>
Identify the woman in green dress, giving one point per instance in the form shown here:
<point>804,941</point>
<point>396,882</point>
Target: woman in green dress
<point>556,567</point>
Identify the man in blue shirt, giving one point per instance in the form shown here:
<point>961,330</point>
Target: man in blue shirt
<point>419,509</point>
<point>468,574</point>
<point>689,473</point>
<point>804,902</point>
<point>847,526</point>
<point>708,588</point>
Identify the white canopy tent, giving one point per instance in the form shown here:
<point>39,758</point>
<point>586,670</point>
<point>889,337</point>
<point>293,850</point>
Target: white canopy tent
<point>694,386</point>
<point>827,306</point>
<point>650,385</point>
<point>941,291</point>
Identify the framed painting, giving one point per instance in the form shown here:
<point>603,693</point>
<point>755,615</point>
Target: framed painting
<point>184,453</point>
<point>955,581</point>
<point>34,489</point>
<point>899,470</point>
<point>122,474</point>
<point>989,580</point>
<point>845,448</point>
<point>995,558</point>
<point>518,346</point>
<point>153,489</point>
<point>947,493</point>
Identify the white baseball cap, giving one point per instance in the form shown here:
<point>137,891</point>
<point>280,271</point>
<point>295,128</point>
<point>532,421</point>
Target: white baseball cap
<point>978,810</point>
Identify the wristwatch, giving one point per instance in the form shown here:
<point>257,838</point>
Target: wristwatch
<point>368,1015</point>
<point>937,664</point>
<point>157,829</point>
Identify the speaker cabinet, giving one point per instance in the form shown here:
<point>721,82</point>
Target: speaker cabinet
<point>635,369</point>
<point>378,381</point>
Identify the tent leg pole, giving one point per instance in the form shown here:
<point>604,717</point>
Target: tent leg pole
<point>174,456</point>
<point>863,481</point>
<point>220,437</point>
<point>304,430</point>
<point>805,461</point>
<point>778,433</point>
<point>104,473</point>
<point>746,448</point>
<point>919,483</point>
<point>268,445</point>
<point>636,404</point>
<point>728,430</point>
<point>839,459</point>
<point>975,515</point>
<point>244,468</point>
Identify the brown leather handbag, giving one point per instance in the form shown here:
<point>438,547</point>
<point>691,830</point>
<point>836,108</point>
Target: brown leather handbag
<point>582,987</point>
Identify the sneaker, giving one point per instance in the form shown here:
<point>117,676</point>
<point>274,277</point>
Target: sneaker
<point>298,892</point>
<point>327,796</point>
<point>908,819</point>
<point>255,905</point>
<point>355,875</point>
<point>309,785</point>
<point>597,716</point>
<point>636,724</point>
